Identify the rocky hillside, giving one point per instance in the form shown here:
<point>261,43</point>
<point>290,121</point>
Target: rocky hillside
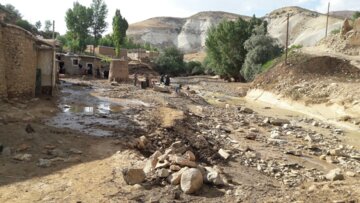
<point>189,34</point>
<point>342,14</point>
<point>306,27</point>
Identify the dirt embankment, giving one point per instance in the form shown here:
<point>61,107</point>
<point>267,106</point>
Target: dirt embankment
<point>314,80</point>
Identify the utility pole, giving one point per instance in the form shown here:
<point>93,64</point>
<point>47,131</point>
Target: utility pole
<point>287,39</point>
<point>327,19</point>
<point>53,34</point>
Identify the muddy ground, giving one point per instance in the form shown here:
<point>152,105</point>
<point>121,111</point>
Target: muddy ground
<point>72,148</point>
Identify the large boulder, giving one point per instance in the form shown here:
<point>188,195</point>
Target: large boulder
<point>356,25</point>
<point>191,180</point>
<point>346,27</point>
<point>354,39</point>
<point>133,176</point>
<point>335,175</point>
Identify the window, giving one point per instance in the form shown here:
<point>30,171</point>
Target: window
<point>75,62</point>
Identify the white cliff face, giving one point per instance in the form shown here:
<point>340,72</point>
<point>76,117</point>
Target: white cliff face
<point>189,34</point>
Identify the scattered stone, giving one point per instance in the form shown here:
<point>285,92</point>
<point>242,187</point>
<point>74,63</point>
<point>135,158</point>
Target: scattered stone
<point>251,136</point>
<point>266,120</point>
<point>191,181</point>
<point>331,160</point>
<point>50,146</point>
<point>201,142</point>
<point>251,154</point>
<point>175,168</point>
<point>6,151</point>
<point>335,175</point>
<point>322,157</point>
<point>294,152</point>
<point>56,153</point>
<point>133,176</point>
<point>162,164</point>
<point>336,152</point>
<point>163,173</point>
<point>29,129</point>
<point>189,155</point>
<point>246,110</point>
<point>279,122</point>
<point>175,178</point>
<point>312,188</point>
<point>254,130</point>
<point>44,163</point>
<point>151,162</point>
<point>182,161</point>
<point>75,151</point>
<point>22,157</point>
<point>275,134</point>
<point>224,154</point>
<point>350,174</point>
<point>141,142</point>
<point>213,176</point>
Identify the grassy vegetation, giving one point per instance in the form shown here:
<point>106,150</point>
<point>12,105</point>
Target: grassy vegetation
<point>271,63</point>
<point>335,32</point>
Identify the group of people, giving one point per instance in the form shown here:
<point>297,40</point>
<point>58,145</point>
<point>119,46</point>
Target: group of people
<point>165,79</point>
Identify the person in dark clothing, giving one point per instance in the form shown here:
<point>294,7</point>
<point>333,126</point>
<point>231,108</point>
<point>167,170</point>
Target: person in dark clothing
<point>135,79</point>
<point>167,80</point>
<point>147,80</point>
<point>162,79</point>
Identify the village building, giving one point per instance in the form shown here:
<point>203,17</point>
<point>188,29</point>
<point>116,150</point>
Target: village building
<point>27,64</point>
<point>73,64</point>
<point>105,51</point>
<point>142,55</point>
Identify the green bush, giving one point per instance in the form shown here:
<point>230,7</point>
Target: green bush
<point>335,32</point>
<point>171,62</point>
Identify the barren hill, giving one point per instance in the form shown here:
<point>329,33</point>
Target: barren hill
<point>189,34</point>
<point>342,14</point>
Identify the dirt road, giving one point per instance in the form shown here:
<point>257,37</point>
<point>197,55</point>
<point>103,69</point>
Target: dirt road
<point>75,147</point>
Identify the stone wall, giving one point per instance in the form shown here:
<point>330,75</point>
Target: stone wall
<point>3,88</point>
<point>45,64</point>
<point>20,57</point>
<point>119,70</point>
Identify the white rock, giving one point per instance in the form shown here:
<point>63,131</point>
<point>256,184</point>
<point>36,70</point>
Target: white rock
<point>191,181</point>
<point>224,154</point>
<point>133,176</point>
<point>163,173</point>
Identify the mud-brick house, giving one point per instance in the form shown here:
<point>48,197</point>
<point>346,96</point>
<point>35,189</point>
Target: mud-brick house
<point>74,64</point>
<point>106,51</point>
<point>27,64</point>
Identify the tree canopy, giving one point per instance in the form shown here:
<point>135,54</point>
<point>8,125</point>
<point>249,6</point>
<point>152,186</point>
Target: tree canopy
<point>225,46</point>
<point>78,21</point>
<point>120,25</point>
<point>171,61</point>
<point>98,24</point>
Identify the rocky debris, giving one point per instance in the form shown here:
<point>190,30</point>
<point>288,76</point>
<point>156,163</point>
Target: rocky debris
<point>29,129</point>
<point>181,161</point>
<point>75,151</point>
<point>189,155</point>
<point>224,154</point>
<point>44,163</point>
<point>6,151</point>
<point>152,162</point>
<point>133,176</point>
<point>175,178</point>
<point>335,175</point>
<point>163,173</point>
<point>279,122</point>
<point>246,110</point>
<point>191,180</point>
<point>23,157</point>
<point>213,176</point>
<point>251,136</point>
<point>350,174</point>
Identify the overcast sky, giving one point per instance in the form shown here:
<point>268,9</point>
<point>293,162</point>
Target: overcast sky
<point>138,10</point>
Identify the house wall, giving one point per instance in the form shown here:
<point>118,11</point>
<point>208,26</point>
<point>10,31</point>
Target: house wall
<point>20,60</point>
<point>45,59</point>
<point>3,87</point>
<point>119,70</point>
<point>74,69</point>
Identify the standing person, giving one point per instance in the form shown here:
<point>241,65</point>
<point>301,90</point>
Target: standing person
<point>162,79</point>
<point>135,79</point>
<point>167,80</point>
<point>147,80</point>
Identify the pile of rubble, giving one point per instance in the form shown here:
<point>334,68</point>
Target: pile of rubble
<point>177,167</point>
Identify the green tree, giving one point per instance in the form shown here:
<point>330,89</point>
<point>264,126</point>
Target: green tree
<point>48,25</point>
<point>78,21</point>
<point>106,41</point>
<point>356,15</point>
<point>26,25</point>
<point>98,26</point>
<point>261,48</point>
<point>120,25</point>
<point>38,25</point>
<point>171,62</point>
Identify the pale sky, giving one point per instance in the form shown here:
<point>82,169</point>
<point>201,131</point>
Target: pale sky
<point>138,10</point>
